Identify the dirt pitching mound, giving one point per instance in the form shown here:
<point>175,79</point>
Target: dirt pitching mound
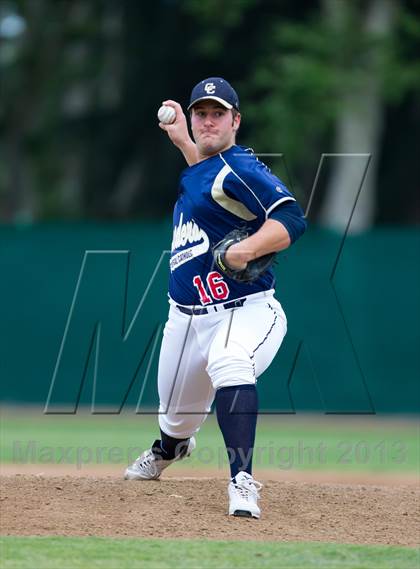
<point>197,508</point>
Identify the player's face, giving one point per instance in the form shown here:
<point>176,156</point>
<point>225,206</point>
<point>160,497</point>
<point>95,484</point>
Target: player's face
<point>213,127</point>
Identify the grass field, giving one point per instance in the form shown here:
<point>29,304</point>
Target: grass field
<point>362,444</point>
<point>305,443</point>
<point>87,553</point>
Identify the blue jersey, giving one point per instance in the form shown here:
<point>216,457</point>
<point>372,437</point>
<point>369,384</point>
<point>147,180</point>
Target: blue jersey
<point>229,190</point>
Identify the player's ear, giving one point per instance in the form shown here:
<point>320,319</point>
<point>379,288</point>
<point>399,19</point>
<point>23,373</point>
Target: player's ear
<point>236,119</point>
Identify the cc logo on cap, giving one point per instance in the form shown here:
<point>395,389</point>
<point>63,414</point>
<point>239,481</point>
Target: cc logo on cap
<point>209,88</point>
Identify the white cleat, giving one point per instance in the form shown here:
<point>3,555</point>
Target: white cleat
<point>243,493</point>
<point>149,467</point>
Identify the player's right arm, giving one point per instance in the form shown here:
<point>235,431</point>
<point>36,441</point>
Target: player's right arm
<point>179,135</point>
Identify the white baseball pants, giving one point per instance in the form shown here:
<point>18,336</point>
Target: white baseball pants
<point>201,353</point>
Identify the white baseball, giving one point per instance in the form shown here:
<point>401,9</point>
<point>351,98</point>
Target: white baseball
<point>166,114</point>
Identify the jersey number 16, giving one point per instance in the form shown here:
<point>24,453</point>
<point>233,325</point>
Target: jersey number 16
<point>219,290</point>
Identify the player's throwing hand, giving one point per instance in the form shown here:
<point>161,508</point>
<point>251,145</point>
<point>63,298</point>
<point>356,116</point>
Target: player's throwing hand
<point>178,133</point>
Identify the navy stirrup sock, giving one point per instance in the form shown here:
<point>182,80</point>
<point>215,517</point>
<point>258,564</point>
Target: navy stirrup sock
<point>237,409</point>
<point>168,447</point>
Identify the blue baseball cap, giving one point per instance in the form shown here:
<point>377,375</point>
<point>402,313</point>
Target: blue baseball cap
<point>216,89</point>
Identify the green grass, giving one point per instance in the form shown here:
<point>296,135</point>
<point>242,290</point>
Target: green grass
<point>364,444</point>
<point>72,553</point>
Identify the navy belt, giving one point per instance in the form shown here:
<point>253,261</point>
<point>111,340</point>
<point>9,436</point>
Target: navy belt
<point>214,308</point>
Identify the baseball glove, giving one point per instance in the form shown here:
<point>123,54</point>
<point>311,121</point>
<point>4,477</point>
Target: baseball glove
<point>253,269</point>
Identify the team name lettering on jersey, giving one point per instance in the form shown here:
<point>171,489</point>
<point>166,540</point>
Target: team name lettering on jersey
<point>188,232</point>
<point>214,196</point>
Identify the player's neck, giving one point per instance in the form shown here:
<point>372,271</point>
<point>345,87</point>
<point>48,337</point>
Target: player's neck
<point>204,156</point>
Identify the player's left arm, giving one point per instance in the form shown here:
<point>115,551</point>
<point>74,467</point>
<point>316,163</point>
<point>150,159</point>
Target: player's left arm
<point>283,227</point>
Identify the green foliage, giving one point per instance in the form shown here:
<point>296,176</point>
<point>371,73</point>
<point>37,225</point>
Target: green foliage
<point>52,59</point>
<point>87,553</point>
<point>306,67</point>
<point>219,13</point>
<point>81,84</point>
<point>292,90</point>
<point>215,19</point>
<point>401,63</point>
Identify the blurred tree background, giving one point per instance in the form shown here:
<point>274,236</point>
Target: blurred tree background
<point>81,82</point>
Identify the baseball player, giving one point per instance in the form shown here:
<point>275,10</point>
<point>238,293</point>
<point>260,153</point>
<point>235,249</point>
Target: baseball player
<point>224,326</point>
